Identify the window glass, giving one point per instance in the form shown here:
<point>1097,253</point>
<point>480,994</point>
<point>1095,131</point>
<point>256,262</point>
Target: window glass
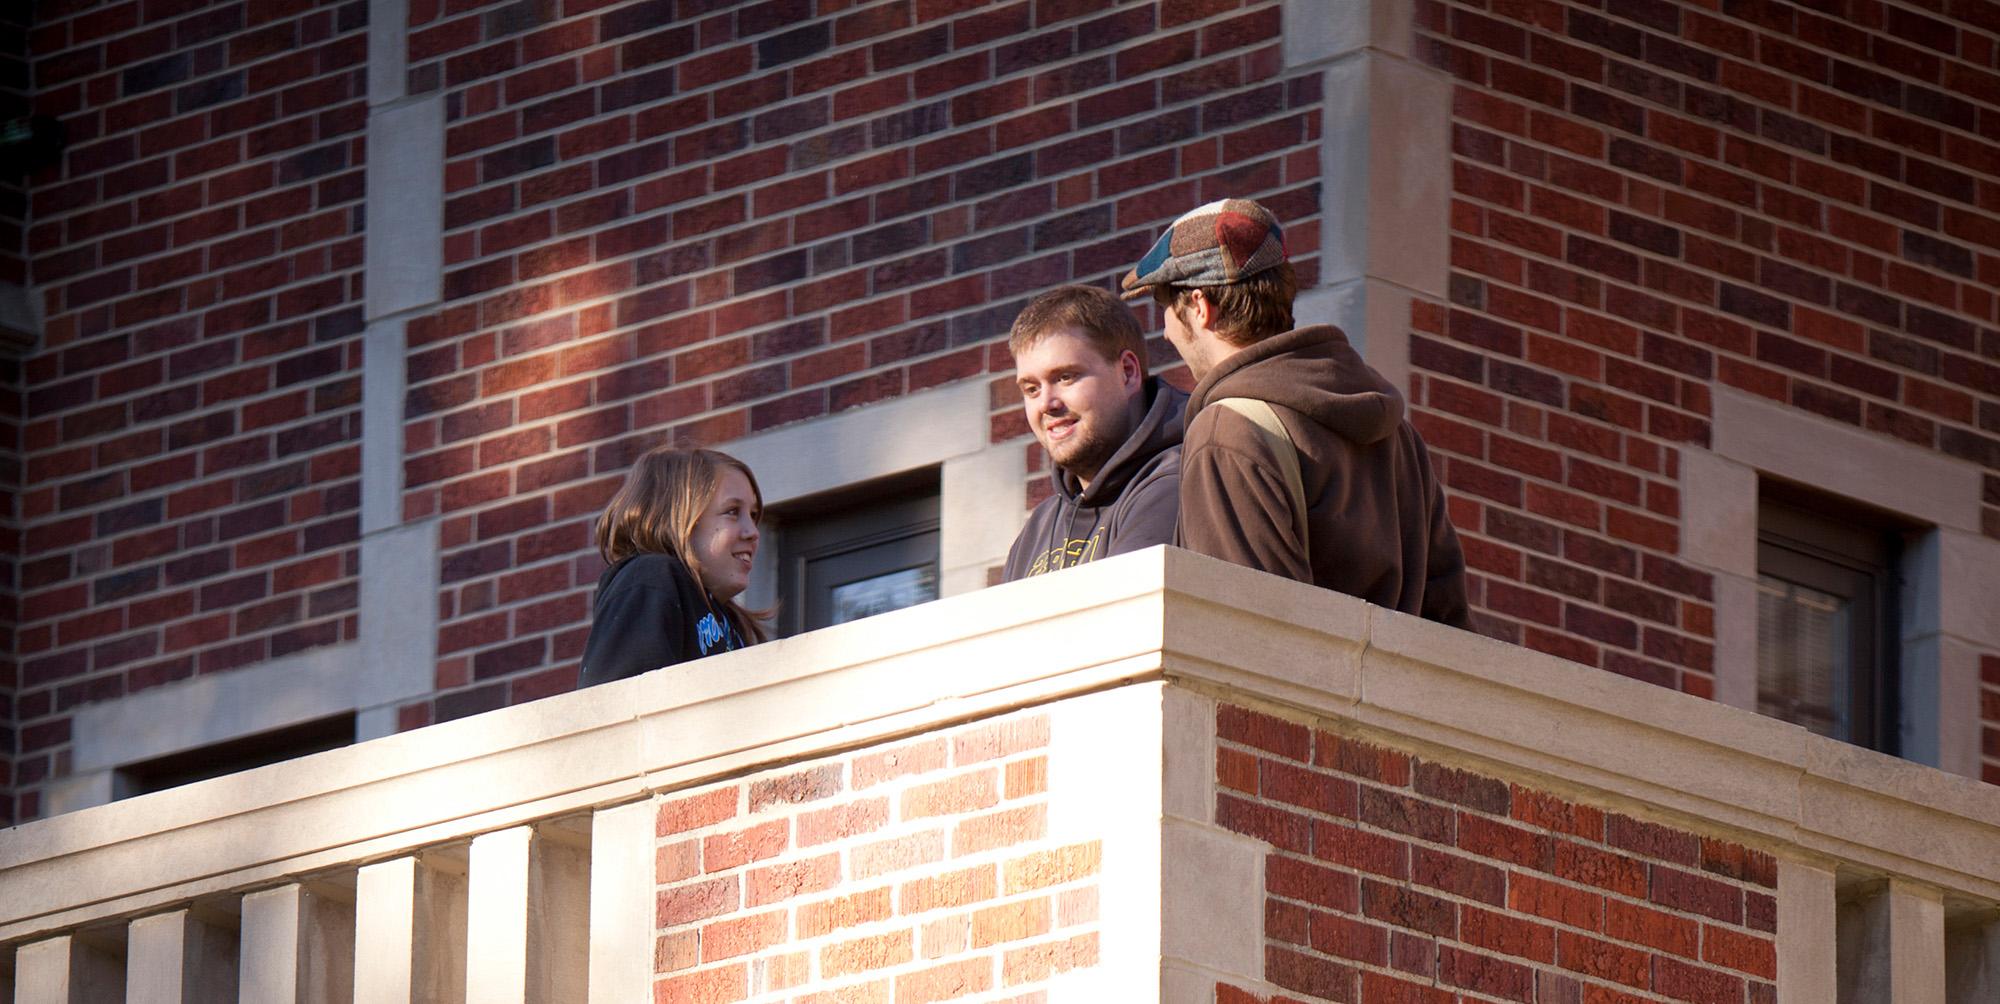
<point>862,551</point>
<point>883,593</point>
<point>1826,616</point>
<point>1803,640</point>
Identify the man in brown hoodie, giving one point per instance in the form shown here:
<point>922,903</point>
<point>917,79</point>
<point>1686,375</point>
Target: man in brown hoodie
<point>1356,508</point>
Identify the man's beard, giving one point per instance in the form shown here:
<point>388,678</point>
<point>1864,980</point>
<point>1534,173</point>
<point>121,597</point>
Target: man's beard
<point>1085,452</point>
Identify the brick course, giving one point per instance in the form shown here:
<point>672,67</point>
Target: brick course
<point>1473,885</point>
<point>881,912</point>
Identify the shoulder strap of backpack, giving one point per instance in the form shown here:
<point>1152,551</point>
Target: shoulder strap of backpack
<point>1280,442</point>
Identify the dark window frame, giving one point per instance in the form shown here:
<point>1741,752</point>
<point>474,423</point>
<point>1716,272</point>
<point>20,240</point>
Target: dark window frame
<point>850,534</point>
<point>231,756</point>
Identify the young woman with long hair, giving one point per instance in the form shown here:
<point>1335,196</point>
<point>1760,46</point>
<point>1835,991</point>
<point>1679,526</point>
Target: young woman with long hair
<point>680,537</point>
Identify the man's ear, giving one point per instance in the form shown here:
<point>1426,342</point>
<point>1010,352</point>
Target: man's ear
<point>1202,307</point>
<point>1131,372</point>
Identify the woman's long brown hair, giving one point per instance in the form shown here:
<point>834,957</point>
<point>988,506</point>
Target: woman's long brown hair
<point>656,510</point>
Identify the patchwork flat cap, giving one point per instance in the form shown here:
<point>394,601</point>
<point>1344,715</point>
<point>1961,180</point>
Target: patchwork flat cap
<point>1214,245</point>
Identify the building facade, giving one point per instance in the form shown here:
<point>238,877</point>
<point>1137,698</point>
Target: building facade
<point>341,321</point>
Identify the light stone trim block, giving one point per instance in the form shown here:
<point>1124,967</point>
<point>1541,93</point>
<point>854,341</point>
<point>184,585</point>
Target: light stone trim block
<point>1211,930</point>
<point>980,512</point>
<point>384,375</point>
<point>1375,317</point>
<point>1383,151</point>
<point>297,947</point>
<point>1968,582</point>
<point>20,320</point>
<point>404,250</point>
<point>1104,786</point>
<point>173,958</point>
<point>1719,521</point>
<point>1317,30</point>
<point>1846,461</point>
<point>80,791</point>
<point>1190,756</point>
<point>867,443</point>
<point>388,50</point>
<point>399,589</point>
<point>193,713</point>
<point>1210,924</point>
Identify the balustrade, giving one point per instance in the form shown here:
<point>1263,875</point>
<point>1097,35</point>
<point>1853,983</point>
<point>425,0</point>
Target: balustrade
<point>966,796</point>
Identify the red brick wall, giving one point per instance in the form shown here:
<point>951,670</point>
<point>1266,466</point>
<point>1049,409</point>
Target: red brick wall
<point>190,492</point>
<point>10,545</point>
<point>1989,713</point>
<point>1651,200</point>
<point>917,871</point>
<point>1392,878</point>
<point>16,85</point>
<point>700,220</point>
<point>14,89</point>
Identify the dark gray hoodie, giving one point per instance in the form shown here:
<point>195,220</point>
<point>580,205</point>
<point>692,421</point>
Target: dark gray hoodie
<point>1131,505</point>
<point>1375,514</point>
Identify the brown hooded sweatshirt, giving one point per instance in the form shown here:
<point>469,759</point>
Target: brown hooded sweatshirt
<point>1375,512</point>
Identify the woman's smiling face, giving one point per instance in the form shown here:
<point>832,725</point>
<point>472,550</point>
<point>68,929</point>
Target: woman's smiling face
<point>725,537</point>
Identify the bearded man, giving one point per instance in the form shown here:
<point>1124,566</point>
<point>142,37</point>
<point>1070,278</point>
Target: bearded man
<point>1112,433</point>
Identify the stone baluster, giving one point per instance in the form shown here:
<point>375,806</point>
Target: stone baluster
<point>178,958</point>
<point>409,930</point>
<point>1972,959</point>
<point>297,946</point>
<point>621,903</point>
<point>528,915</point>
<point>70,969</point>
<point>1806,931</point>
<point>1892,944</point>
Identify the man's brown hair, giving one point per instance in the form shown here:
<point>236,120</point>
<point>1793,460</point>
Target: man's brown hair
<point>1246,312</point>
<point>1099,315</point>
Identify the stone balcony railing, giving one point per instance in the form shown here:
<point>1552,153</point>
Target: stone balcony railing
<point>1156,777</point>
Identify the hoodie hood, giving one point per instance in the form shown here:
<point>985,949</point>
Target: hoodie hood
<point>1159,430</point>
<point>1319,376</point>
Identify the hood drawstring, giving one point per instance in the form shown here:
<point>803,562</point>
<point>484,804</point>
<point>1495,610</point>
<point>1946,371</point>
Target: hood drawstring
<point>1062,530</point>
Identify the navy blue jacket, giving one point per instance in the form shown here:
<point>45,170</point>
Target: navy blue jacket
<point>648,614</point>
